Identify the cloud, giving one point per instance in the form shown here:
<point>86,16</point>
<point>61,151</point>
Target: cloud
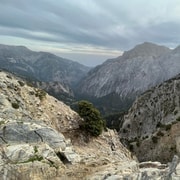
<point>101,24</point>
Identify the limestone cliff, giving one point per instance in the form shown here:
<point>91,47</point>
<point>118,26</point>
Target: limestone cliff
<point>151,127</point>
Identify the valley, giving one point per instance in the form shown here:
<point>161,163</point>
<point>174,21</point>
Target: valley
<point>138,93</point>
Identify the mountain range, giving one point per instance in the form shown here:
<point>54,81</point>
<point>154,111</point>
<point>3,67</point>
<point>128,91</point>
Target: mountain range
<point>119,81</point>
<point>112,86</point>
<point>42,67</point>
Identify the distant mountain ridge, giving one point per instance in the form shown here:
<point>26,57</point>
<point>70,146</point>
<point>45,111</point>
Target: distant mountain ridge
<point>42,66</point>
<point>134,72</point>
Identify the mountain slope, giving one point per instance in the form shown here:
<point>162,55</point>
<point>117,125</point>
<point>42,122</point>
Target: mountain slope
<point>34,128</point>
<point>123,74</point>
<point>134,72</point>
<point>151,127</point>
<point>40,66</point>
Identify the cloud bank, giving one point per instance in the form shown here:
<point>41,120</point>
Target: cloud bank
<point>104,27</point>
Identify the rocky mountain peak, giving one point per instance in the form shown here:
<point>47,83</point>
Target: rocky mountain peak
<point>177,50</point>
<point>128,76</point>
<point>146,49</point>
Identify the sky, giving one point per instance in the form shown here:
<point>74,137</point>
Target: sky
<point>89,31</point>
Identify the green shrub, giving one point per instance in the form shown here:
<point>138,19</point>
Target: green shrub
<point>21,83</point>
<point>35,149</point>
<point>15,105</point>
<point>175,112</point>
<point>2,122</point>
<point>93,122</point>
<point>131,147</point>
<point>160,125</point>
<point>160,133</point>
<point>41,94</point>
<point>178,119</point>
<point>168,127</point>
<point>137,143</point>
<point>155,139</point>
<point>34,158</point>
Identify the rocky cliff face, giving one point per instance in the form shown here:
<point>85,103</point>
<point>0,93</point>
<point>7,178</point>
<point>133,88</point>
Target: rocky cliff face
<point>132,73</point>
<point>136,70</point>
<point>151,127</point>
<point>40,139</point>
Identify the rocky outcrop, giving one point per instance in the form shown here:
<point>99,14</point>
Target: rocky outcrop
<point>40,138</point>
<point>151,127</point>
<point>32,145</point>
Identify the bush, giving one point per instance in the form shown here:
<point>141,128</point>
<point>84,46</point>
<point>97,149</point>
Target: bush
<point>160,133</point>
<point>15,105</point>
<point>93,122</point>
<point>21,83</point>
<point>178,119</point>
<point>155,139</point>
<point>168,127</point>
<point>41,94</point>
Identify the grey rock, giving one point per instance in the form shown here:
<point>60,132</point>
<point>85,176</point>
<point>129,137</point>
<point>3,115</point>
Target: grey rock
<point>172,169</point>
<point>152,123</point>
<point>23,132</point>
<point>18,153</point>
<point>71,155</point>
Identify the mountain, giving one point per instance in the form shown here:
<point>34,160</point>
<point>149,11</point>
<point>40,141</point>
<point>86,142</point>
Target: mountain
<point>151,127</point>
<point>127,76</point>
<point>41,66</point>
<point>40,139</point>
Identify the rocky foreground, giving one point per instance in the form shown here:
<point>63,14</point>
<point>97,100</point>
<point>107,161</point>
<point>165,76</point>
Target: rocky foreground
<point>40,139</point>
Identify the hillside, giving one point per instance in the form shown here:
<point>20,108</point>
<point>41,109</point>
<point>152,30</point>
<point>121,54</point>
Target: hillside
<point>40,139</point>
<point>151,127</point>
<point>32,129</point>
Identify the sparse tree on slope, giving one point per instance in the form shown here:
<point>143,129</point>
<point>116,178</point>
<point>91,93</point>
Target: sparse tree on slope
<point>93,122</point>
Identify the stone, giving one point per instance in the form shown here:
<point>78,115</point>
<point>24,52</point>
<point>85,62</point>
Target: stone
<point>19,153</point>
<point>71,155</point>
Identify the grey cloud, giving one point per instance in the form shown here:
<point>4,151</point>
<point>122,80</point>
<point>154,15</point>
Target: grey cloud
<point>70,21</point>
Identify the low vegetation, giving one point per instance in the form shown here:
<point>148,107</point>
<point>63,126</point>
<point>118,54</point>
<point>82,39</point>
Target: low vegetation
<point>15,105</point>
<point>41,94</point>
<point>21,83</point>
<point>34,158</point>
<point>93,122</point>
